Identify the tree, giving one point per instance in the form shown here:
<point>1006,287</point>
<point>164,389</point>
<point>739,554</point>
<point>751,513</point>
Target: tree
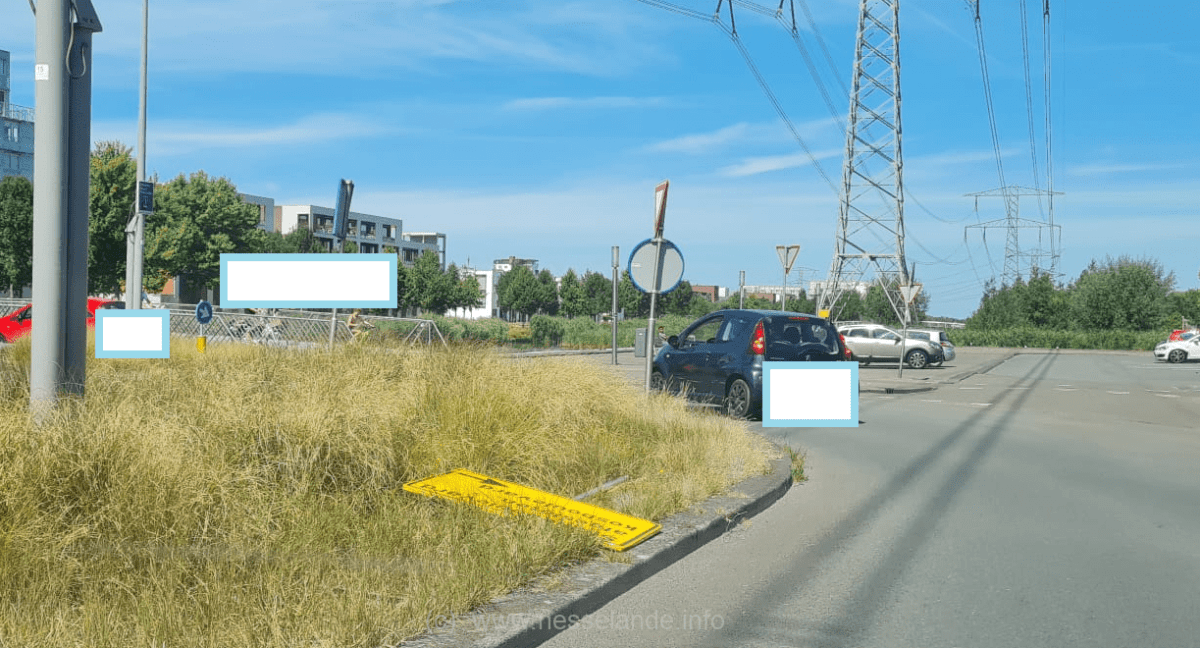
<point>113,178</point>
<point>598,289</point>
<point>196,219</point>
<point>431,289</point>
<point>16,233</point>
<point>632,301</point>
<point>678,301</point>
<point>547,294</point>
<point>1124,293</point>
<point>467,292</point>
<point>518,291</point>
<point>574,298</point>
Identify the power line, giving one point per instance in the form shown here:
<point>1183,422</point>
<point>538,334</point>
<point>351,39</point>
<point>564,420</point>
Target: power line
<point>731,32</point>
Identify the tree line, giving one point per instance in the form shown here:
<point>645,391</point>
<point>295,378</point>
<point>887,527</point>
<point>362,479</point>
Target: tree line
<point>196,219</point>
<point>1121,294</point>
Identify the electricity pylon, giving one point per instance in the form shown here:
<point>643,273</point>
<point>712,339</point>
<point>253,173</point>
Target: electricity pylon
<point>1022,263</point>
<point>870,234</point>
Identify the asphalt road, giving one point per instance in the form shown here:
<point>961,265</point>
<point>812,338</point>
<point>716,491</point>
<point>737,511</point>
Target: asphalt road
<point>1051,501</point>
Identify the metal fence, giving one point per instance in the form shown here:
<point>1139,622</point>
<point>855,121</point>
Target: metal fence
<point>10,306</point>
<point>287,328</point>
<point>302,329</point>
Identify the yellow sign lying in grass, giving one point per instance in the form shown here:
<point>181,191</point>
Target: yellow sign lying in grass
<point>619,531</point>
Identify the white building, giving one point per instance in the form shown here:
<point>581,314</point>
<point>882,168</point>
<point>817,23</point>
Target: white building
<point>16,129</point>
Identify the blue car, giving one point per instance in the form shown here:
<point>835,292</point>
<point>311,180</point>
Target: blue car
<point>719,357</point>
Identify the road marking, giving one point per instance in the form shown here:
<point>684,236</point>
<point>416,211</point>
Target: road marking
<point>1061,389</point>
<point>982,404</point>
<point>931,401</point>
<point>1167,395</point>
<point>1020,388</point>
<point>970,387</point>
<point>1113,392</point>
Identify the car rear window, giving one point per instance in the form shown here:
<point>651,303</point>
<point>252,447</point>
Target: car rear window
<point>802,330</point>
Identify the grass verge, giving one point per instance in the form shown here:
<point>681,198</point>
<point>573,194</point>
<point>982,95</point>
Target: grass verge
<point>251,496</point>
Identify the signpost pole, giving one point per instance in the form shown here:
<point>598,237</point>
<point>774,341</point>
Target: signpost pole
<point>651,333</point>
<point>616,260</point>
<point>340,215</point>
<point>660,212</point>
<point>741,289</point>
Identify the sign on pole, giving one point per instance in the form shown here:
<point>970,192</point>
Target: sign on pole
<point>660,207</point>
<point>787,256</point>
<point>145,201</point>
<point>909,293</point>
<point>642,270</point>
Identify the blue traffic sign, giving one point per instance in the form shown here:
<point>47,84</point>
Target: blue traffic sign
<point>146,197</point>
<point>204,312</point>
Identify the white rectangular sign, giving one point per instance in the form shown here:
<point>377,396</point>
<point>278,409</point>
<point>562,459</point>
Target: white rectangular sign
<point>308,280</point>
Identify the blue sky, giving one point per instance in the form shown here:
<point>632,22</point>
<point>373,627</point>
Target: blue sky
<point>539,128</point>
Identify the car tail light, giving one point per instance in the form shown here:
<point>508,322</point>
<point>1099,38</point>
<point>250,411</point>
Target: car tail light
<point>758,342</point>
<point>845,347</point>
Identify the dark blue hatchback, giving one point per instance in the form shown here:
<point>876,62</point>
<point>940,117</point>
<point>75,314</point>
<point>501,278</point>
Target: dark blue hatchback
<point>718,358</point>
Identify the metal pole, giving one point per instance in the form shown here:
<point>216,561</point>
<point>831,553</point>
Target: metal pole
<point>783,291</point>
<point>651,334</point>
<point>741,289</point>
<point>51,86</point>
<point>135,233</point>
<point>616,262</point>
<point>78,179</point>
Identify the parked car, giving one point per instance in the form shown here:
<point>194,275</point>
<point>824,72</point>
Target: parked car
<point>1178,350</point>
<point>877,343</point>
<point>939,337</point>
<point>719,357</point>
<point>1182,335</point>
<point>20,323</point>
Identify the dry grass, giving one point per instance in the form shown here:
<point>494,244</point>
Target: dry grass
<point>251,496</point>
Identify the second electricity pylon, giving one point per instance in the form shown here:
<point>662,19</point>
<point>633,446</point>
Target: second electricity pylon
<point>1018,263</point>
<point>870,232</point>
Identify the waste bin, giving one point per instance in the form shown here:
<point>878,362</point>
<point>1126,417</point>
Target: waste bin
<point>639,343</point>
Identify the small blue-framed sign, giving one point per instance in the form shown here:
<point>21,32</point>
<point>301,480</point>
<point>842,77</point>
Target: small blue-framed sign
<point>142,333</point>
<point>810,394</point>
<point>146,197</point>
<point>204,312</point>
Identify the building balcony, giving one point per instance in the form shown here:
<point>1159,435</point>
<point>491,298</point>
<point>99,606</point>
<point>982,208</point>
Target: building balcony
<point>16,113</point>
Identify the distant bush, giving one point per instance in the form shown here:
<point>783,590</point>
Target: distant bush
<point>1058,339</point>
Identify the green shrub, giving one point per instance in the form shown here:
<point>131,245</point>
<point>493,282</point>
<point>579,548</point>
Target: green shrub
<point>546,330</point>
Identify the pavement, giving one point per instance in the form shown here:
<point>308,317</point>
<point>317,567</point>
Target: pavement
<point>545,607</point>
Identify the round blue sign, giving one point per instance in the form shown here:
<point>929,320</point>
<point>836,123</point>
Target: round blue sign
<point>204,312</point>
<point>642,262</point>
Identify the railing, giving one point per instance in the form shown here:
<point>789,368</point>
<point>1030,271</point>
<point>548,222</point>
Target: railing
<point>10,306</point>
<point>17,113</point>
<point>298,329</point>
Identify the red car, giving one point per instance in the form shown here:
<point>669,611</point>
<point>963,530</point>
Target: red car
<point>1182,335</point>
<point>21,322</point>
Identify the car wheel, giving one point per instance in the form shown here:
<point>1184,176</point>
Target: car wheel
<point>737,399</point>
<point>1178,355</point>
<point>918,359</point>
<point>657,382</point>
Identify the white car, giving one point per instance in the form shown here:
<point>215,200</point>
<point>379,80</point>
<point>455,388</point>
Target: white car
<point>1178,350</point>
<point>938,337</point>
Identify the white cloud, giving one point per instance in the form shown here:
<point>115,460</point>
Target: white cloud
<point>702,142</point>
<point>766,164</point>
<point>178,137</point>
<point>1087,170</point>
<point>558,103</point>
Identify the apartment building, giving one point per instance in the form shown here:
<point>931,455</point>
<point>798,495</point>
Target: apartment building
<point>16,128</point>
<point>372,233</point>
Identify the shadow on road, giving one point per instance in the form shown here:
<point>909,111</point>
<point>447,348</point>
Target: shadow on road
<point>858,613</point>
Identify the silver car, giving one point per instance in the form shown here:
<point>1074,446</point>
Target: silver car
<point>937,336</point>
<point>878,343</point>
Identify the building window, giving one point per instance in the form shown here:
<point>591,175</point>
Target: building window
<point>11,133</point>
<point>302,221</point>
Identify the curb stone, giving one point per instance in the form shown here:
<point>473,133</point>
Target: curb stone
<point>535,613</point>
